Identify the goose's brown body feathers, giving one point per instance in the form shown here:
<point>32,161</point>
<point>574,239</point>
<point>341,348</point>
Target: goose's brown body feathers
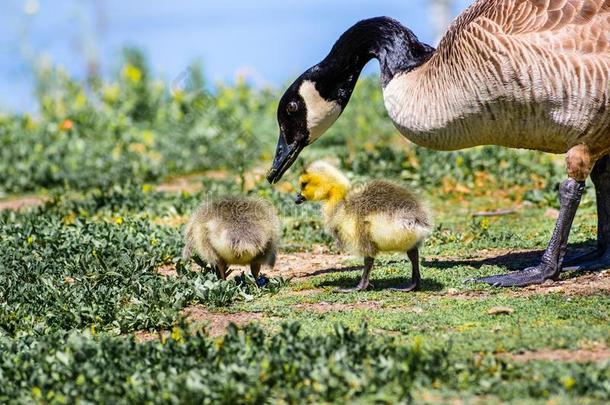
<point>520,73</point>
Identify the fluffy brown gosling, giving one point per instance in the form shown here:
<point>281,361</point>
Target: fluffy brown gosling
<point>378,217</point>
<point>233,230</point>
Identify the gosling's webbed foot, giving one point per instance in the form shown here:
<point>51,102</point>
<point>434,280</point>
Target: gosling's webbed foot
<point>412,286</point>
<point>262,281</point>
<point>596,260</point>
<point>529,276</point>
<point>358,288</point>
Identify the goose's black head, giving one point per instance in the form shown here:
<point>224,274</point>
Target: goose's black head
<point>308,108</point>
<point>318,97</point>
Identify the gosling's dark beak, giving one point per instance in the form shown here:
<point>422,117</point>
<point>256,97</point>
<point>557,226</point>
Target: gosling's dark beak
<point>299,199</point>
<point>285,155</point>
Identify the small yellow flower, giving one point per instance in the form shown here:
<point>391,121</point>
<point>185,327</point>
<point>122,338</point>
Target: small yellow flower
<point>568,383</point>
<point>118,220</point>
<point>148,137</point>
<point>147,188</point>
<point>177,334</point>
<point>29,122</point>
<point>36,392</point>
<point>178,95</point>
<point>30,240</point>
<point>81,100</point>
<point>132,73</point>
<point>69,219</point>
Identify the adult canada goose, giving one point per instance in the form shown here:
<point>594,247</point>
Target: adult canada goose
<point>379,216</point>
<point>528,74</point>
<point>233,230</point>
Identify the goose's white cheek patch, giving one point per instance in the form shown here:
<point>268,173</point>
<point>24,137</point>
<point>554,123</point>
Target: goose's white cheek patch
<point>321,113</point>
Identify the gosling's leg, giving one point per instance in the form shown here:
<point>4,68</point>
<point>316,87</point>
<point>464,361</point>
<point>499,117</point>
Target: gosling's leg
<point>222,270</point>
<point>199,262</point>
<point>600,257</point>
<point>255,269</point>
<point>570,193</point>
<point>415,283</point>
<point>364,280</point>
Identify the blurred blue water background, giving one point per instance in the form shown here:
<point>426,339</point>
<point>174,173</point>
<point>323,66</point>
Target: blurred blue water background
<point>268,41</point>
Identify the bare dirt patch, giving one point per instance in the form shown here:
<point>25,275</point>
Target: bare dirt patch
<point>290,265</point>
<point>190,183</point>
<point>167,270</point>
<point>173,221</point>
<point>16,204</point>
<point>596,355</point>
<point>305,265</point>
<point>580,285</point>
<point>179,185</point>
<point>217,322</point>
<point>142,337</point>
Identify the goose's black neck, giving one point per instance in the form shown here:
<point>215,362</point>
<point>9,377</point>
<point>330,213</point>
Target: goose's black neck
<point>383,38</point>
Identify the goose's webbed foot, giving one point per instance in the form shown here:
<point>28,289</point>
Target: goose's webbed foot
<point>597,260</point>
<point>532,275</point>
<point>570,193</point>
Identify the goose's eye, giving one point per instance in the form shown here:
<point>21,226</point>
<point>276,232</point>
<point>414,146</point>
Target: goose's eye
<point>292,107</point>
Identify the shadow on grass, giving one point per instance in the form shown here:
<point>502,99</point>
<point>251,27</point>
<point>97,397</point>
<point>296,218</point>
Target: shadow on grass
<point>511,261</point>
<point>381,284</point>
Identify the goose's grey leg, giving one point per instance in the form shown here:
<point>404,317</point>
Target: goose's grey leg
<point>570,193</point>
<point>600,257</point>
<point>364,280</point>
<point>415,276</point>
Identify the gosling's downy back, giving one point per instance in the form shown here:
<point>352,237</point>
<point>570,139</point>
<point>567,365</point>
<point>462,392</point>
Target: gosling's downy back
<point>379,216</point>
<point>236,230</point>
<point>386,197</point>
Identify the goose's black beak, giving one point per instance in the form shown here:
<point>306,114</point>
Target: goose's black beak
<point>299,199</point>
<point>285,155</point>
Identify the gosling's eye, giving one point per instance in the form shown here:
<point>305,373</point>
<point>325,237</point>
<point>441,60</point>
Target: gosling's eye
<point>292,107</point>
<point>304,184</point>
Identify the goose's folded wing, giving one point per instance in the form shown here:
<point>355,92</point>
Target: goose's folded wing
<point>579,26</point>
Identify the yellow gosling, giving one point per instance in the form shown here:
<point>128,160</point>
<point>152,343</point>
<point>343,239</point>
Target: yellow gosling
<point>379,216</point>
<point>233,230</point>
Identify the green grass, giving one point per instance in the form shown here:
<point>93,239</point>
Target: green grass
<point>108,245</point>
